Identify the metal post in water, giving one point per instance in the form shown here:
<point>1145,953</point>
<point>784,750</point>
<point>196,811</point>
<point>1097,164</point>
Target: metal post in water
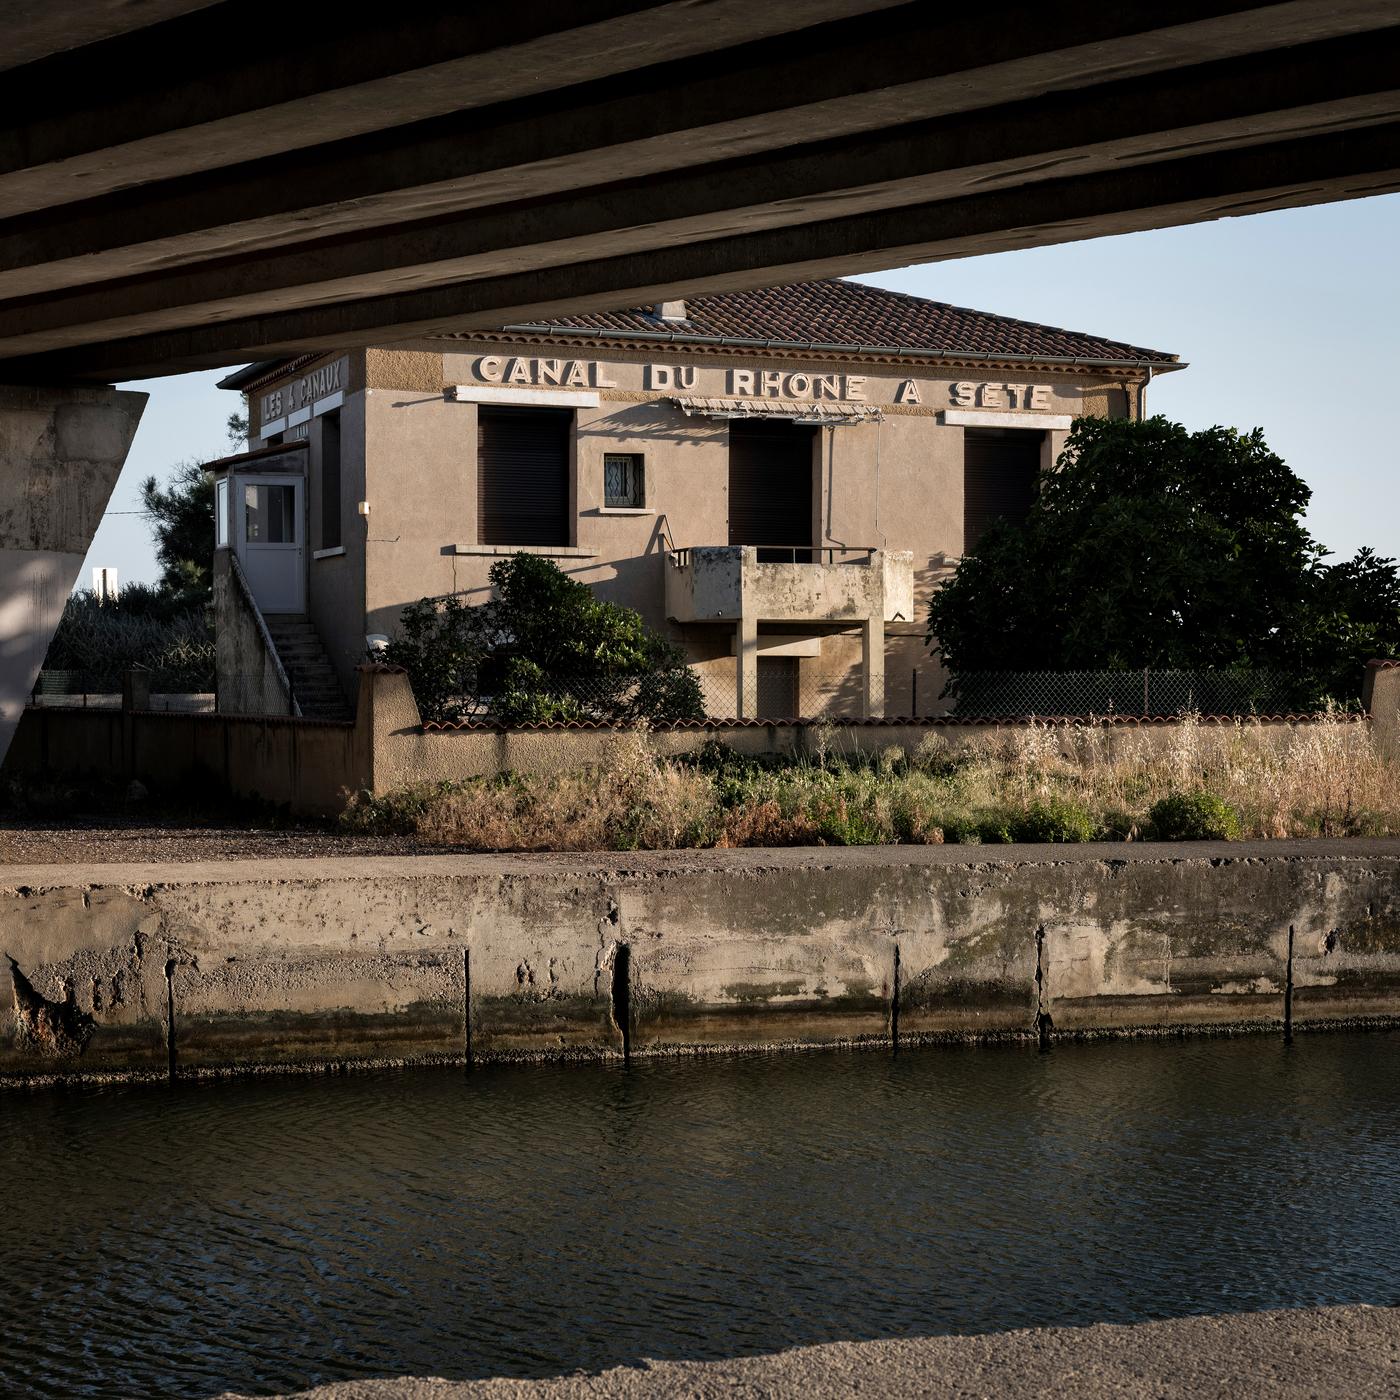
<point>1288,993</point>
<point>894,1004</point>
<point>467,1003</point>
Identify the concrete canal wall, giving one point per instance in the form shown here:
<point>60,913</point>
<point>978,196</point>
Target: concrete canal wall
<point>248,964</point>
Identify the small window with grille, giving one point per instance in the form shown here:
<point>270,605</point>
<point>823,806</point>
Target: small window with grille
<point>623,487</point>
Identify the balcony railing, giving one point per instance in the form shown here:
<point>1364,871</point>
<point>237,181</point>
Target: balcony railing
<point>793,554</point>
<point>789,583</point>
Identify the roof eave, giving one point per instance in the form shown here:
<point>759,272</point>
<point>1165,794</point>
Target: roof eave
<point>1162,366</point>
<point>241,378</point>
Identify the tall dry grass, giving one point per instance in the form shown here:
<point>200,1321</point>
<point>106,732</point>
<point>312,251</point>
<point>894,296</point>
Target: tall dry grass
<point>1032,782</point>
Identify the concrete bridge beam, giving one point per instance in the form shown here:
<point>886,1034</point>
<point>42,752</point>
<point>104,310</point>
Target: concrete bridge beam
<point>61,450</point>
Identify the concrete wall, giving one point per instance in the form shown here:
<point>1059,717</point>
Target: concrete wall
<point>335,595</point>
<point>247,964</point>
<point>1380,697</point>
<point>314,765</point>
<point>247,672</point>
<point>308,765</point>
<point>405,753</point>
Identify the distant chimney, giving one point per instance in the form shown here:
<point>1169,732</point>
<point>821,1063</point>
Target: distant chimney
<point>669,311</point>
<point>104,584</point>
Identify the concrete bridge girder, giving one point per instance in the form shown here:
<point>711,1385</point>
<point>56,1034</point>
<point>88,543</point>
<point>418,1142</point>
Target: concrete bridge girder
<point>407,174</point>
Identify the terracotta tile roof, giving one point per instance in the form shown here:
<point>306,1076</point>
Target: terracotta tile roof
<point>850,315</point>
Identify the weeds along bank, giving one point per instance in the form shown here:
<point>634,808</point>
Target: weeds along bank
<point>714,784</point>
<point>1033,782</point>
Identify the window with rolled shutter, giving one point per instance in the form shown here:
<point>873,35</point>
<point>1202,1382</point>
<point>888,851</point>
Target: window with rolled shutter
<point>777,687</point>
<point>1001,474</point>
<point>330,480</point>
<point>770,487</point>
<point>523,475</point>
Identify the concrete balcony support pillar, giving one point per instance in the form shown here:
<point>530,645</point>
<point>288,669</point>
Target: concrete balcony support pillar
<point>746,667</point>
<point>61,450</point>
<point>872,656</point>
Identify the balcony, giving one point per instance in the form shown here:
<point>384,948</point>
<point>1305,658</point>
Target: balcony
<point>734,583</point>
<point>743,585</point>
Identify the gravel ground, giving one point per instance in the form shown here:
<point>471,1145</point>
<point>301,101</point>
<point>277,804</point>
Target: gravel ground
<point>1350,1351</point>
<point>152,837</point>
<point>146,840</point>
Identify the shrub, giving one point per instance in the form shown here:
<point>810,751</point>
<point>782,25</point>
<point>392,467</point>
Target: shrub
<point>1194,816</point>
<point>142,629</point>
<point>997,827</point>
<point>544,649</point>
<point>1055,819</point>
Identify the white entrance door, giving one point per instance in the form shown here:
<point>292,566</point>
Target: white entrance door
<point>272,539</point>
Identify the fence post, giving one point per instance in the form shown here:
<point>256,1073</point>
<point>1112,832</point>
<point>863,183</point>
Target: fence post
<point>1380,697</point>
<point>136,690</point>
<point>136,695</point>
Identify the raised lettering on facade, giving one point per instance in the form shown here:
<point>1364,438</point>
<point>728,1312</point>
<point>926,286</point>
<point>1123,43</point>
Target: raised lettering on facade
<point>1032,396</point>
<point>319,384</point>
<point>520,369</point>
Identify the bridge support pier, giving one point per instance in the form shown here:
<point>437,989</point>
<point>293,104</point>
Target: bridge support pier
<point>61,450</point>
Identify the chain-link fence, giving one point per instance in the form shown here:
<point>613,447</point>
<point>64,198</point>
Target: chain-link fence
<point>182,690</point>
<point>1013,694</point>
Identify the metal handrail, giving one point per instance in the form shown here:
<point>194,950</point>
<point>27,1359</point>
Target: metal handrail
<point>681,557</point>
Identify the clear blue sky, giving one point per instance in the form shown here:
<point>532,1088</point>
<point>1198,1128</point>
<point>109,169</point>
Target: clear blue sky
<point>1289,322</point>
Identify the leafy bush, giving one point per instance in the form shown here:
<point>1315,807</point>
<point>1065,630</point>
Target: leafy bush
<point>997,827</point>
<point>544,649</point>
<point>1194,816</point>
<point>1055,819</point>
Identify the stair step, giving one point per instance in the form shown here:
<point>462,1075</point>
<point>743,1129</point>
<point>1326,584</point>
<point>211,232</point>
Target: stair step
<point>308,667</point>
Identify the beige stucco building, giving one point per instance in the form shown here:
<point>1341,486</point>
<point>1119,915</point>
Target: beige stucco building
<point>777,480</point>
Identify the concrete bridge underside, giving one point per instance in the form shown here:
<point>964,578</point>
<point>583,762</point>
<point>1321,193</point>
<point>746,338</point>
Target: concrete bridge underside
<point>188,185</point>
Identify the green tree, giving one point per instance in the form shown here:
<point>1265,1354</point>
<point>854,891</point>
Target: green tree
<point>181,516</point>
<point>1353,617</point>
<point>1152,546</point>
<point>544,648</point>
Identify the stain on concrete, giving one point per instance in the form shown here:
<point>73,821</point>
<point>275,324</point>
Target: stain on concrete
<point>362,961</point>
<point>52,1030</point>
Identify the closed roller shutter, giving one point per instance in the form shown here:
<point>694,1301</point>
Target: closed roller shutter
<point>1000,475</point>
<point>770,486</point>
<point>777,687</point>
<point>523,475</point>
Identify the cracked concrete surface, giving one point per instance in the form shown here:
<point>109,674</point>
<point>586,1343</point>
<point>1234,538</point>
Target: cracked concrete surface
<point>363,960</point>
<point>1342,1351</point>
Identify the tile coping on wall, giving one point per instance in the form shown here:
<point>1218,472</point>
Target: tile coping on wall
<point>888,722</point>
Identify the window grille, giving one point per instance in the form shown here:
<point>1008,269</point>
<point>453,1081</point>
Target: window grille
<point>622,481</point>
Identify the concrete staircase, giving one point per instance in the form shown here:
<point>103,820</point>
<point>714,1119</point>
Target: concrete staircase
<point>309,669</point>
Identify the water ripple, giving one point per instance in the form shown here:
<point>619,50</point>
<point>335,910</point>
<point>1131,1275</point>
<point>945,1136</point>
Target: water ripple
<point>274,1234</point>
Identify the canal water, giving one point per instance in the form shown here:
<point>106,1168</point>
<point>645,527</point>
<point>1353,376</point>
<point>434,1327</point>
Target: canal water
<point>271,1234</point>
